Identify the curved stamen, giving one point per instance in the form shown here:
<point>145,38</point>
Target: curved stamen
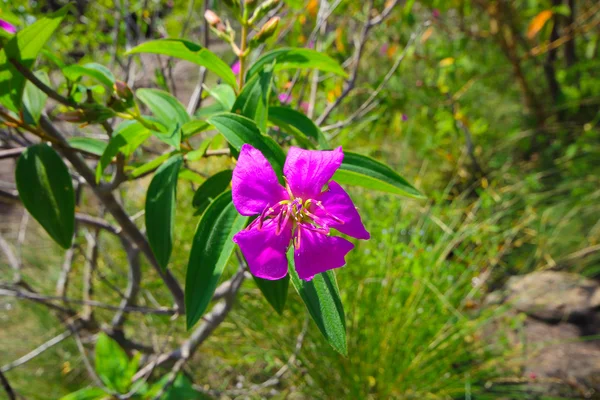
<point>330,215</point>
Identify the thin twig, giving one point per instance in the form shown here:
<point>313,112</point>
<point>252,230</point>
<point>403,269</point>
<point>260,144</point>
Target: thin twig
<point>36,352</point>
<point>7,388</point>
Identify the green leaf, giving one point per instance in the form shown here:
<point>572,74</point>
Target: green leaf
<point>274,291</point>
<point>160,209</point>
<point>34,99</point>
<point>211,188</point>
<point>90,393</point>
<point>24,48</point>
<point>96,71</point>
<point>253,101</point>
<point>181,389</point>
<point>290,58</point>
<point>90,145</point>
<point>190,128</point>
<point>171,137</point>
<point>197,154</point>
<point>294,122</point>
<point>151,165</point>
<point>322,299</point>
<point>188,51</point>
<point>211,109</point>
<point>191,176</point>
<point>364,171</point>
<point>211,250</point>
<point>46,190</point>
<point>126,138</point>
<point>112,364</point>
<point>239,130</point>
<point>224,94</point>
<point>166,108</point>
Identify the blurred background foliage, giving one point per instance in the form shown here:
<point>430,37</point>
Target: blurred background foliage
<point>492,113</point>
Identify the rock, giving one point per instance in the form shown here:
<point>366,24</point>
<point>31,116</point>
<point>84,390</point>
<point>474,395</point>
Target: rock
<point>560,361</point>
<point>554,296</point>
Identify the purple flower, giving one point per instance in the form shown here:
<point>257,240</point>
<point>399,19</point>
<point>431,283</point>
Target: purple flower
<point>285,98</point>
<point>435,13</point>
<point>7,26</point>
<point>236,67</point>
<point>301,213</point>
<point>404,117</point>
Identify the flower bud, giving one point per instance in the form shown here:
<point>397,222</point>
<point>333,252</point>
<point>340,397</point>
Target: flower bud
<point>122,98</point>
<point>212,18</point>
<point>266,31</point>
<point>262,10</point>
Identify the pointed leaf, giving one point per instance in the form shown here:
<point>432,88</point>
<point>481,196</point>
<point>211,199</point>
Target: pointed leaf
<point>210,189</point>
<point>294,122</point>
<point>160,209</point>
<point>24,48</point>
<point>188,51</point>
<point>364,171</point>
<point>112,363</point>
<point>290,58</point>
<point>126,138</point>
<point>96,71</point>
<point>166,108</point>
<point>46,190</point>
<point>193,127</point>
<point>90,393</point>
<point>322,299</point>
<point>224,94</point>
<point>274,291</point>
<point>211,249</point>
<point>91,145</point>
<point>239,130</point>
<point>253,101</point>
<point>151,165</point>
<point>34,99</point>
<point>172,137</point>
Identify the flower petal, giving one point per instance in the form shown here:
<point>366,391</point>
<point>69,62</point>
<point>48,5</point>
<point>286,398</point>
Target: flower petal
<point>318,253</point>
<point>264,251</point>
<point>307,171</point>
<point>254,183</point>
<point>339,212</point>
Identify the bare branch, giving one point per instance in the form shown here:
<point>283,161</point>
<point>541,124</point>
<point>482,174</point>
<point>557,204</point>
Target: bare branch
<point>117,211</point>
<point>37,351</point>
<point>48,301</point>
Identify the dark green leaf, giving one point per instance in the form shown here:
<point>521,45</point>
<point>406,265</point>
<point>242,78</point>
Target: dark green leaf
<point>294,122</point>
<point>274,291</point>
<point>253,101</point>
<point>181,389</point>
<point>166,108</point>
<point>224,94</point>
<point>188,51</point>
<point>160,209</point>
<point>126,138</point>
<point>239,130</point>
<point>290,58</point>
<point>112,364</point>
<point>91,393</point>
<point>96,71</point>
<point>34,99</point>
<point>364,171</point>
<point>211,188</point>
<point>24,48</point>
<point>90,145</point>
<point>322,299</point>
<point>46,191</point>
<point>211,250</point>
